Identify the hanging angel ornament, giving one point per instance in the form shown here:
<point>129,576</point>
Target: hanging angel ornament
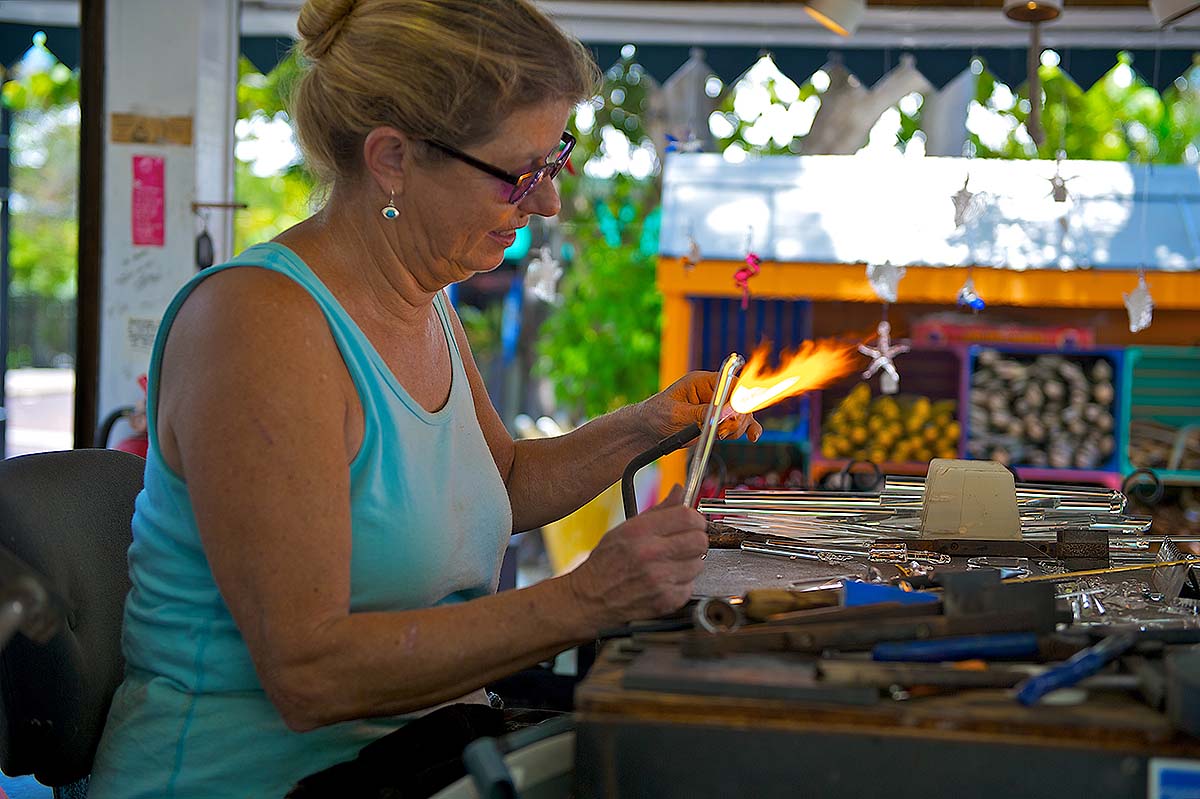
<point>885,280</point>
<point>968,205</point>
<point>542,274</point>
<point>1140,305</point>
<point>882,357</point>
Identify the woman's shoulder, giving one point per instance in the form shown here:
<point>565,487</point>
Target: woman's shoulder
<point>251,307</point>
<point>253,293</point>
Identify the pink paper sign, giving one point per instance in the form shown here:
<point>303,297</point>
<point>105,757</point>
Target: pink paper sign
<point>148,185</point>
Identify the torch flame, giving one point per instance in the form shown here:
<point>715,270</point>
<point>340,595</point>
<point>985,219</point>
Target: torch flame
<point>814,365</point>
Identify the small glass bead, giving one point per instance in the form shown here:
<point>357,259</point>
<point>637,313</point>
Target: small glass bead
<point>390,212</point>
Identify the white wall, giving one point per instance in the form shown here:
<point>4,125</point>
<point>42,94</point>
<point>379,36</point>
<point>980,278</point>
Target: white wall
<point>164,58</point>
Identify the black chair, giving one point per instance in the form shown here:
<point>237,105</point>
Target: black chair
<point>67,516</point>
<point>104,431</point>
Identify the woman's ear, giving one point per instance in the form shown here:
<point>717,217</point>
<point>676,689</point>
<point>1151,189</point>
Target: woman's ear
<point>385,157</point>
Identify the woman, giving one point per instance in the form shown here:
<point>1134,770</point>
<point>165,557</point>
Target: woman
<point>329,490</point>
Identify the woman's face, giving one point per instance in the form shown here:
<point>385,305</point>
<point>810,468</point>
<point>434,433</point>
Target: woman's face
<point>465,213</point>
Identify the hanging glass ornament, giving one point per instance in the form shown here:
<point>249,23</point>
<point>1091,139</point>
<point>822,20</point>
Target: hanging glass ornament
<point>693,256</point>
<point>882,357</point>
<point>1058,184</point>
<point>689,144</point>
<point>969,298</point>
<point>968,205</point>
<point>542,274</point>
<point>1140,305</point>
<point>742,276</point>
<point>885,280</point>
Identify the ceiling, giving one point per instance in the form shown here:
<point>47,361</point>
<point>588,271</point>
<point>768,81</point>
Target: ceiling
<point>769,23</point>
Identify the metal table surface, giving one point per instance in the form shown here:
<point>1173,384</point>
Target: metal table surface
<point>637,742</point>
<point>729,572</point>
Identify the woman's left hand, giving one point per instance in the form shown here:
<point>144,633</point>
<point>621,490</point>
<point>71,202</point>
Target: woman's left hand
<point>686,401</point>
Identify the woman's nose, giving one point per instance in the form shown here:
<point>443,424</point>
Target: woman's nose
<point>543,200</point>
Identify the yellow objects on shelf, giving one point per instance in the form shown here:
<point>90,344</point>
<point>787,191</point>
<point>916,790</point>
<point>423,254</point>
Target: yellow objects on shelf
<point>889,429</point>
<point>569,540</point>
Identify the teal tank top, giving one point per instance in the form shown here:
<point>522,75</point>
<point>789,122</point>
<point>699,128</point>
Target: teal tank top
<point>430,519</point>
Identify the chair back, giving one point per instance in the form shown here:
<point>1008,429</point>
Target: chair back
<point>67,516</point>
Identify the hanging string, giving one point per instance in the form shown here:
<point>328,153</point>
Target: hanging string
<point>1149,165</point>
<point>1064,72</point>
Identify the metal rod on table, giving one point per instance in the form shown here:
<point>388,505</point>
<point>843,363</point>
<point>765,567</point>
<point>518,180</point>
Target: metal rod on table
<point>708,432</point>
<point>1068,576</point>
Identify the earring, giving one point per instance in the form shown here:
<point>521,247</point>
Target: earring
<point>390,211</point>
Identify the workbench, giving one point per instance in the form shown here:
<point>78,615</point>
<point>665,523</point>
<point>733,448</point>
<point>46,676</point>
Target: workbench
<point>767,736</point>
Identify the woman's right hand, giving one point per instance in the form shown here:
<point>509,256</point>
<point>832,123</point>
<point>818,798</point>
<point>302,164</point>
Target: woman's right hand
<point>644,567</point>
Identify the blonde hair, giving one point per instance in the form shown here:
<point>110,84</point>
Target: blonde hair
<point>448,70</point>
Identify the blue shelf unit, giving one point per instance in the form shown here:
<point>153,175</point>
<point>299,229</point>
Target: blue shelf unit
<point>720,326</point>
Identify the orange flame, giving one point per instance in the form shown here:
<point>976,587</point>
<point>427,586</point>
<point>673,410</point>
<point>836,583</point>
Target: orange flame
<point>814,365</point>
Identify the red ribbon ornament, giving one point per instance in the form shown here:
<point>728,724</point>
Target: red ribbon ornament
<point>742,276</point>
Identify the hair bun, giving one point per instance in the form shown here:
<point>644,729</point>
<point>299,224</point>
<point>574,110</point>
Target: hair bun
<point>320,24</point>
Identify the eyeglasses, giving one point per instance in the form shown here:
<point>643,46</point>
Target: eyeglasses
<point>522,184</point>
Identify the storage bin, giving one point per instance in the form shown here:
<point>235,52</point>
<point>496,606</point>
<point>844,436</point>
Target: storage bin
<point>1160,415</point>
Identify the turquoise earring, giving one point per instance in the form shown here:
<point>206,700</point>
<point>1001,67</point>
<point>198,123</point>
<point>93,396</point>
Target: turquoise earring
<point>390,211</point>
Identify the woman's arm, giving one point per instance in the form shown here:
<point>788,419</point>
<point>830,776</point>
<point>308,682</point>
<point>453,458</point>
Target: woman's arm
<point>258,413</point>
<point>550,477</point>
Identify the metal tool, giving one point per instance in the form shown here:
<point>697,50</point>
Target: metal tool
<point>1008,567</point>
<point>1082,664</point>
<point>999,645</point>
<point>716,614</point>
<point>708,432</point>
<point>664,447</point>
<point>973,603</point>
<point>1068,576</point>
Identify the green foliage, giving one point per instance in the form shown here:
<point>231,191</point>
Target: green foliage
<point>43,90</point>
<point>275,202</point>
<point>20,356</point>
<point>44,235</point>
<point>482,326</point>
<point>624,104</point>
<point>265,94</point>
<point>42,257</point>
<point>1114,120</point>
<point>742,125</point>
<point>600,346</point>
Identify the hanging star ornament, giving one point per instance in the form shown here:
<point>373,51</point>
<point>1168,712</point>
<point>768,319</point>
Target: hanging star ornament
<point>885,280</point>
<point>968,205</point>
<point>1058,184</point>
<point>969,298</point>
<point>882,357</point>
<point>542,274</point>
<point>1140,305</point>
